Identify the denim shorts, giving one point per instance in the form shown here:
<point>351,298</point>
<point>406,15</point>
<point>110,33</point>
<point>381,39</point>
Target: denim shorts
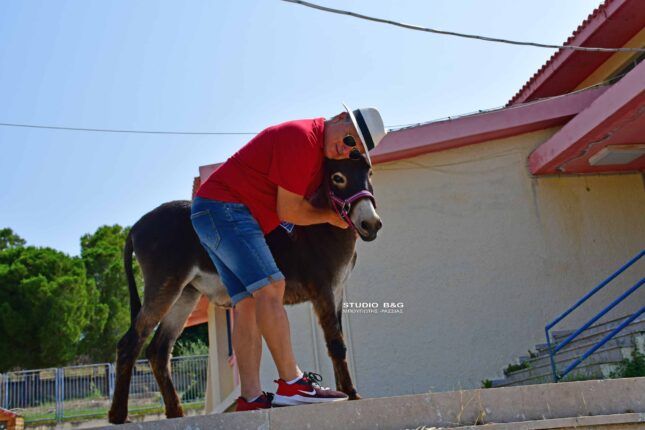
<point>236,244</point>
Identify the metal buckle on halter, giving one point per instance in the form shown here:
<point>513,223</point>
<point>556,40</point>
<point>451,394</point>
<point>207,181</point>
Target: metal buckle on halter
<point>344,206</point>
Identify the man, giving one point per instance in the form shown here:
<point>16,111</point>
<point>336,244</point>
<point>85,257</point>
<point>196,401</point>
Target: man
<point>264,183</point>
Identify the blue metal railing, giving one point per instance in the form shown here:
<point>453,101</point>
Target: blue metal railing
<point>554,349</point>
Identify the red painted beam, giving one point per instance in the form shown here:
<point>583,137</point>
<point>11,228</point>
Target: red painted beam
<point>468,130</point>
<point>620,101</point>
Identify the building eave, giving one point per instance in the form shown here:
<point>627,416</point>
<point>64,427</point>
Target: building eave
<point>610,25</point>
<point>617,117</point>
<point>482,127</point>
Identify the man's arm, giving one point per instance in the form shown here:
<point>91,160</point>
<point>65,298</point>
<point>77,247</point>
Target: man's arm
<point>295,209</point>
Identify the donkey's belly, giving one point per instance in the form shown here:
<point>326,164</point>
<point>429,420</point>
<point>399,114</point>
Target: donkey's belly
<point>210,284</point>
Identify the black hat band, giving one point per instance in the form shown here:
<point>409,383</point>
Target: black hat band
<point>364,130</point>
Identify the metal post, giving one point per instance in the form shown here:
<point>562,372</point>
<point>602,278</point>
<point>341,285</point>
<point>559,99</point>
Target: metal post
<point>228,333</point>
<point>551,356</point>
<point>59,388</point>
<point>4,382</point>
<point>110,380</point>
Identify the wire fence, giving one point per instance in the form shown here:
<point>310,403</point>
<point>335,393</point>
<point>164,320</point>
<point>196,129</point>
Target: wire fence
<point>58,394</point>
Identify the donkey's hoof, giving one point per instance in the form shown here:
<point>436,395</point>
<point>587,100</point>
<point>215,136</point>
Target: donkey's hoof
<point>177,412</point>
<point>117,418</point>
<point>353,395</point>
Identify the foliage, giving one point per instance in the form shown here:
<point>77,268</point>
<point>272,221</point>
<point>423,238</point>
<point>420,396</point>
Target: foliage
<point>8,239</point>
<point>44,297</point>
<point>195,391</point>
<point>193,341</point>
<point>102,254</point>
<point>487,383</point>
<point>578,376</point>
<point>189,348</point>
<point>515,367</point>
<point>631,367</point>
<point>56,309</point>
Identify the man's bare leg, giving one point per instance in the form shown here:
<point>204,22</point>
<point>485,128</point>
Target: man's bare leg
<point>247,344</point>
<point>273,324</point>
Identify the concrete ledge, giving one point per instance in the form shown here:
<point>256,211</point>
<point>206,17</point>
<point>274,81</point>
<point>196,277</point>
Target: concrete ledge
<point>614,422</point>
<point>450,409</point>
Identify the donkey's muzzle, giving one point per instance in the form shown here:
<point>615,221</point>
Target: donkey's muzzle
<point>368,229</point>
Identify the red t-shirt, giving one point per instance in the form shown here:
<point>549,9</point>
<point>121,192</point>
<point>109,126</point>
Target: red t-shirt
<point>289,155</point>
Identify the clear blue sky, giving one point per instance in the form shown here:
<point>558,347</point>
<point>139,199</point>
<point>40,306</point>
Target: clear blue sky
<point>229,66</point>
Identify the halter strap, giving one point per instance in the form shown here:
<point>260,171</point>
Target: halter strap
<point>344,207</point>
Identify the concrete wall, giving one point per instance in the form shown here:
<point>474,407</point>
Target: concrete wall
<point>482,256</point>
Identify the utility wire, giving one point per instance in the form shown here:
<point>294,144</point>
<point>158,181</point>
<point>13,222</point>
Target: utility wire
<point>396,127</point>
<point>469,36</point>
<point>107,130</point>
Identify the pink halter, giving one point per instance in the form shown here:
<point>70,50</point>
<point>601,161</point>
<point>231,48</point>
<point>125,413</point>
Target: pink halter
<point>344,207</point>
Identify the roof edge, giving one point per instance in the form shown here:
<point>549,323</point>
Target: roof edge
<point>482,127</point>
<point>596,19</point>
<point>626,94</point>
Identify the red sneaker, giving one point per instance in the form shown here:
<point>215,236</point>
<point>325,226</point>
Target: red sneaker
<point>262,402</point>
<point>305,390</point>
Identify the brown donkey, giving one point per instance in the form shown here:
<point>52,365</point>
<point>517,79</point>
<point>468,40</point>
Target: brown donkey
<point>316,261</point>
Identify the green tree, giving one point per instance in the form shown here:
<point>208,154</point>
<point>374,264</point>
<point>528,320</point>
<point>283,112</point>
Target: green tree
<point>102,254</point>
<point>44,296</point>
<point>9,239</point>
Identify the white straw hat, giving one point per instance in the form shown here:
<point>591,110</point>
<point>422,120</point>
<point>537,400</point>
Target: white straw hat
<point>369,125</point>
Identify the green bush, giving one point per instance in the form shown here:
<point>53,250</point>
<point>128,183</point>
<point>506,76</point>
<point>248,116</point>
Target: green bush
<point>515,367</point>
<point>632,367</point>
<point>187,348</point>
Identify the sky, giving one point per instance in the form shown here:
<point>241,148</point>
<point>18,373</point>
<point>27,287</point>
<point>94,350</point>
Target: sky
<point>224,66</point>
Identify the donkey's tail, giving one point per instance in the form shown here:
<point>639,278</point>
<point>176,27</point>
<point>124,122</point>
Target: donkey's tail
<point>135,301</point>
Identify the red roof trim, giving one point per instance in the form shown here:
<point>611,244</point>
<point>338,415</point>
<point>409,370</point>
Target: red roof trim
<point>205,171</point>
<point>620,100</point>
<point>8,413</point>
<point>611,24</point>
<point>439,136</point>
<point>199,314</point>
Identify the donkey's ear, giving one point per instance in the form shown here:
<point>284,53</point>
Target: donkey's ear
<point>355,155</point>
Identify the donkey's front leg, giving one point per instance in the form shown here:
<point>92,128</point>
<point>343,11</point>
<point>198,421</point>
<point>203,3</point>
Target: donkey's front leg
<point>329,321</point>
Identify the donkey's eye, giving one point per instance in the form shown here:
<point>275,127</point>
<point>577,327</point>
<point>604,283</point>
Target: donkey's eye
<point>338,179</point>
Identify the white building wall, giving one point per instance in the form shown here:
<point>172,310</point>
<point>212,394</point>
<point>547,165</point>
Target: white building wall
<point>482,256</point>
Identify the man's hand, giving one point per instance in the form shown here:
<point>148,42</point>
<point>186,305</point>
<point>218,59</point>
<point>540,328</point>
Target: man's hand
<point>294,208</point>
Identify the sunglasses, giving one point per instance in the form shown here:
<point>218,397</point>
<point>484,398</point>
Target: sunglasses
<point>354,154</point>
<point>349,141</point>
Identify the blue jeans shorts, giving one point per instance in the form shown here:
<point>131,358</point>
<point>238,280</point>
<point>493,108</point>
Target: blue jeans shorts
<point>236,244</point>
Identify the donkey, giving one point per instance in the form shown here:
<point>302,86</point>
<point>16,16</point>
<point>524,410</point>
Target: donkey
<point>316,261</point>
